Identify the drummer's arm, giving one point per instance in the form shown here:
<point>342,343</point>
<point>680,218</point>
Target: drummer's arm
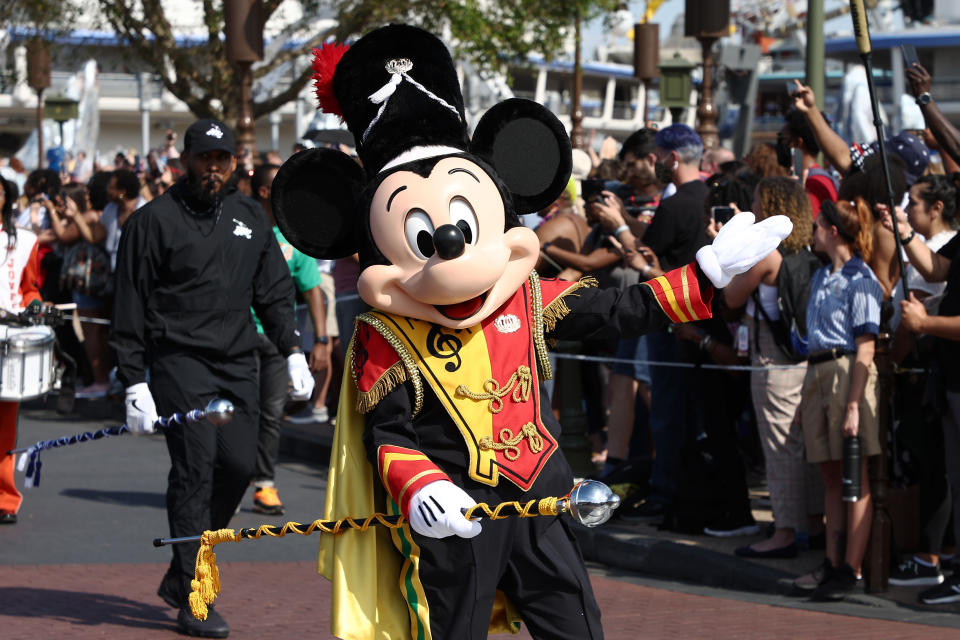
<point>29,292</point>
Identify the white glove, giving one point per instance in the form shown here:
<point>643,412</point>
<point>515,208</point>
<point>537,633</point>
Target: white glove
<point>141,410</point>
<point>435,511</point>
<point>740,245</point>
<point>300,376</point>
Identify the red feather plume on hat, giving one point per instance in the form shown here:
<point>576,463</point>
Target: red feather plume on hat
<point>325,61</point>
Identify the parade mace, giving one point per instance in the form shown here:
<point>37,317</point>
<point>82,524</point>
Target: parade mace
<point>218,411</point>
<point>861,31</point>
<point>590,502</point>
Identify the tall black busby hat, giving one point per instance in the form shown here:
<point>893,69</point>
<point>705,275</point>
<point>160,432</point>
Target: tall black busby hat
<point>397,89</point>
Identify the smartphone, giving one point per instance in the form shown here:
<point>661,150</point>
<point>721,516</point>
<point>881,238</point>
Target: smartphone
<point>721,214</point>
<point>909,55</point>
<point>591,189</point>
<point>791,87</point>
<point>797,162</point>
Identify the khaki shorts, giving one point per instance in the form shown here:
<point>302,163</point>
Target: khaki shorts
<point>824,403</point>
<point>327,287</point>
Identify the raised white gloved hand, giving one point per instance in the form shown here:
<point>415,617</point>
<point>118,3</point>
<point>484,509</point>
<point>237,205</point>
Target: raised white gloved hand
<point>435,511</point>
<point>141,410</point>
<point>300,376</point>
<point>740,245</point>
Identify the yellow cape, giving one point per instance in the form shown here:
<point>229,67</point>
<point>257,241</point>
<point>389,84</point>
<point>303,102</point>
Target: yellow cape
<point>364,568</point>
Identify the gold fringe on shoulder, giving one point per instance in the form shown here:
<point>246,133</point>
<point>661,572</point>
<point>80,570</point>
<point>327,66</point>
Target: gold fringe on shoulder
<point>558,309</point>
<point>367,400</point>
<point>398,373</point>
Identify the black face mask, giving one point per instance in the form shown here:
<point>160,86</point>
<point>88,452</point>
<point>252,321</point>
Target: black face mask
<point>663,171</point>
<point>784,153</point>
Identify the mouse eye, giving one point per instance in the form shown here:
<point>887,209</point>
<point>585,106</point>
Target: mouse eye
<point>462,215</point>
<point>418,228</point>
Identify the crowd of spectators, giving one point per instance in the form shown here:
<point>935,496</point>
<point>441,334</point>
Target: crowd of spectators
<point>682,442</point>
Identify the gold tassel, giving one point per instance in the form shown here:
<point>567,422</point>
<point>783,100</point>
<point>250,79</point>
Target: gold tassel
<point>205,586</point>
<point>558,309</point>
<point>367,400</point>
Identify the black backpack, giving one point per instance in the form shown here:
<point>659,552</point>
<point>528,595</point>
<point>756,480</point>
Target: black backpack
<point>793,290</point>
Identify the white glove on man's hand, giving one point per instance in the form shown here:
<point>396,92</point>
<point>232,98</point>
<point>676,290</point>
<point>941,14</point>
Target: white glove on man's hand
<point>300,376</point>
<point>435,511</point>
<point>740,245</point>
<point>141,410</point>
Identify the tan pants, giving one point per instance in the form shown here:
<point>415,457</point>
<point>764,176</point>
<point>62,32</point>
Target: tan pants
<point>776,396</point>
<point>824,405</point>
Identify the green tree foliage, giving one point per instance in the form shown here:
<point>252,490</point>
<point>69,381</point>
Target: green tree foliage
<point>486,32</point>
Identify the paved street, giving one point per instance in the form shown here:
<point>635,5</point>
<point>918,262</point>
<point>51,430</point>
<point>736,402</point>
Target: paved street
<point>80,564</point>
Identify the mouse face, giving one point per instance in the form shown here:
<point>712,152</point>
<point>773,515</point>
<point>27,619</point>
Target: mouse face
<point>450,260</point>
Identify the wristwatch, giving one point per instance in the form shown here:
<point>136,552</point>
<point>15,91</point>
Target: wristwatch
<point>321,339</point>
<point>924,98</point>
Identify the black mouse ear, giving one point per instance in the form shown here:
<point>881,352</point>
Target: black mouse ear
<point>315,201</point>
<point>529,148</point>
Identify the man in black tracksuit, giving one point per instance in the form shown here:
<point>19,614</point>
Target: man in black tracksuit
<point>190,265</point>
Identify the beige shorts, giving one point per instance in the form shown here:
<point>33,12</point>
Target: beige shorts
<point>824,403</point>
<point>327,287</point>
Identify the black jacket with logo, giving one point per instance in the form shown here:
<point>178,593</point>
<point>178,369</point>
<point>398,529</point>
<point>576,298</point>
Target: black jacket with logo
<point>186,279</point>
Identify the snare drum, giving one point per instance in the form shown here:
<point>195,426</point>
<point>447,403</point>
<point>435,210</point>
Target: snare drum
<point>26,362</point>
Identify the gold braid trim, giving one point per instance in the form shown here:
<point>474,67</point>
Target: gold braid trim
<point>508,442</point>
<point>206,585</point>
<point>545,507</point>
<point>519,383</point>
<point>412,373</point>
<point>539,345</point>
<point>558,309</point>
<point>367,400</point>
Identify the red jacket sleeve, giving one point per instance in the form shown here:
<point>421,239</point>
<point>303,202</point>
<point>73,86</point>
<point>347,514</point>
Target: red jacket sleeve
<point>28,280</point>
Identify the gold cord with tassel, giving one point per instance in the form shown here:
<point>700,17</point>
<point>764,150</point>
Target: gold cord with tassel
<point>205,586</point>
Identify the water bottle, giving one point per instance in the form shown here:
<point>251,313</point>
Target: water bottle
<point>743,340</point>
<point>851,469</point>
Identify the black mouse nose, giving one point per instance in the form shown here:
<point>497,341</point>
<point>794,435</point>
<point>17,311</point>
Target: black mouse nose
<point>448,239</point>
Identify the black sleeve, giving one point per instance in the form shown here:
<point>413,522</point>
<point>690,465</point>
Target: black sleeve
<point>390,422</point>
<point>950,249</point>
<point>273,296</point>
<point>613,312</point>
<point>137,257</point>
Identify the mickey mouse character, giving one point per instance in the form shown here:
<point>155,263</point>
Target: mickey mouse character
<point>444,406</point>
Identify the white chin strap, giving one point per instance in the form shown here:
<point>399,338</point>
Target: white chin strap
<point>420,153</point>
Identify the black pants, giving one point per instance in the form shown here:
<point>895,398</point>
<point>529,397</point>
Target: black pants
<point>534,561</point>
<point>273,397</point>
<point>210,467</point>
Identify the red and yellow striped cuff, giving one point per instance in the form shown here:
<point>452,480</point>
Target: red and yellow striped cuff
<point>404,471</point>
<point>678,294</point>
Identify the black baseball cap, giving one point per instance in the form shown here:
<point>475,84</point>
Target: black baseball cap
<point>209,135</point>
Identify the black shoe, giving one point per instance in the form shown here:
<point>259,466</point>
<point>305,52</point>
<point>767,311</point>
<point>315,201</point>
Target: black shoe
<point>789,551</point>
<point>8,518</point>
<point>842,583</point>
<point>912,573</point>
<point>810,581</point>
<point>944,593</point>
<point>730,526</point>
<point>213,627</point>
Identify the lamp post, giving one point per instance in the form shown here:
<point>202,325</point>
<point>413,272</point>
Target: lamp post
<point>675,85</point>
<point>646,59</point>
<point>576,112</point>
<point>38,77</point>
<point>243,30</point>
<point>707,21</point>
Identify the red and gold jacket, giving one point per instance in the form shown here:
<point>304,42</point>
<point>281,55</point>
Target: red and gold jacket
<point>487,377</point>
